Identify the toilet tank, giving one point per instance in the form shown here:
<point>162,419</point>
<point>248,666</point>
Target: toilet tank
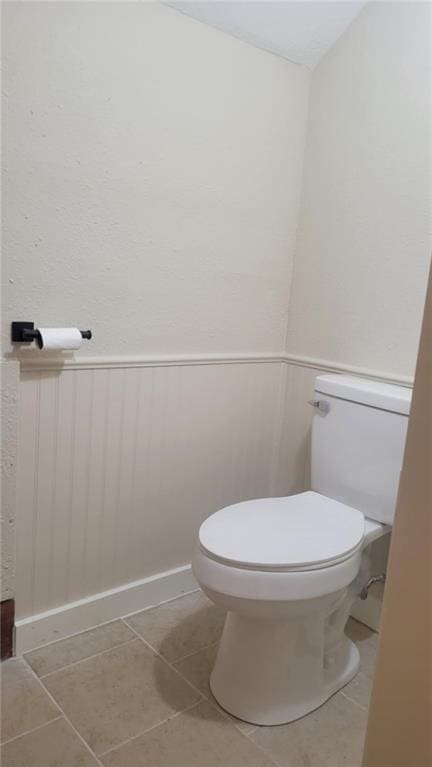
<point>358,439</point>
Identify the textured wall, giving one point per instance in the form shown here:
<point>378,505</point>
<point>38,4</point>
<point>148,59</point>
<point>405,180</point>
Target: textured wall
<point>154,200</point>
<point>9,377</point>
<point>364,233</point>
<point>153,170</point>
<point>151,188</point>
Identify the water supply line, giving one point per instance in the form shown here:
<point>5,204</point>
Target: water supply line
<point>375,579</point>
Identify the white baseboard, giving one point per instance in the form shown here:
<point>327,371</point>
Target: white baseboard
<point>71,618</point>
<point>74,617</point>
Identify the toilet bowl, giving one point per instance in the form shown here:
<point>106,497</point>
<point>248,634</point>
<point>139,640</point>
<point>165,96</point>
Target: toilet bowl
<point>283,651</point>
<point>287,570</point>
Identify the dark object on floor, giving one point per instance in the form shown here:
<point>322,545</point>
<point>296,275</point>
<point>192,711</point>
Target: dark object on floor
<point>7,621</point>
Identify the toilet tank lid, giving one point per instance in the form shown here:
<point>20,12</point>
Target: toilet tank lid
<point>396,399</point>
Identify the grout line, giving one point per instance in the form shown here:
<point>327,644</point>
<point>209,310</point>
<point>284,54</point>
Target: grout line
<point>153,649</point>
<point>149,729</point>
<point>208,698</point>
<point>231,718</point>
<point>195,652</point>
<point>87,747</point>
<point>159,604</point>
<point>82,660</point>
<point>355,702</point>
<point>268,755</point>
<point>202,698</point>
<point>104,623</point>
<point>68,636</point>
<point>101,652</point>
<point>33,729</point>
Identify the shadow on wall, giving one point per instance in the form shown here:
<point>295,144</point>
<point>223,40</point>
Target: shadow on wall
<point>301,476</point>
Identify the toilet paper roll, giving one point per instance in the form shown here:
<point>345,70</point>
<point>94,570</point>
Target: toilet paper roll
<point>59,339</point>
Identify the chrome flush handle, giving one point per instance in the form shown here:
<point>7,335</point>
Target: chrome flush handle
<point>319,404</point>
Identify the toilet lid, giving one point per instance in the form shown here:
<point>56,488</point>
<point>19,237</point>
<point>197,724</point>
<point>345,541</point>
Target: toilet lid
<point>304,531</point>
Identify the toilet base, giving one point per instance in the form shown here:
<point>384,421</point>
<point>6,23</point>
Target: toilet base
<point>270,672</point>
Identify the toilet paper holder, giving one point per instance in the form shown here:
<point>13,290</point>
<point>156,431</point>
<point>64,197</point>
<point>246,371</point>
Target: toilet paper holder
<point>25,333</point>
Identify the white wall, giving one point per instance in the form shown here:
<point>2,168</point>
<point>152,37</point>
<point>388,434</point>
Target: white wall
<point>153,170</point>
<point>364,232</point>
<point>202,136</point>
<point>364,241</point>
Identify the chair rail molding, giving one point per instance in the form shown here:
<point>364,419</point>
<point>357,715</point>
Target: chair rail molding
<point>32,361</point>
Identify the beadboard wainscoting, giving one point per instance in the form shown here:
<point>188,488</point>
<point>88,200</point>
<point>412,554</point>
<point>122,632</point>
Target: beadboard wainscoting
<point>119,464</point>
<point>120,460</point>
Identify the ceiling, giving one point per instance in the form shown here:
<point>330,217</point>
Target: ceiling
<point>299,31</point>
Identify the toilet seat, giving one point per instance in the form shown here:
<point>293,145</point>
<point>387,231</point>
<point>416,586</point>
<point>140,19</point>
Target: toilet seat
<point>297,533</point>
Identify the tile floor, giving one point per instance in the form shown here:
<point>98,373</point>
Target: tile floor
<point>134,693</point>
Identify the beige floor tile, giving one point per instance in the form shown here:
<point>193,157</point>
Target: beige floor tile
<point>367,643</point>
<point>180,627</point>
<point>55,656</point>
<point>200,737</point>
<point>25,704</point>
<point>197,669</point>
<point>332,736</point>
<point>54,745</point>
<point>359,690</point>
<point>115,696</point>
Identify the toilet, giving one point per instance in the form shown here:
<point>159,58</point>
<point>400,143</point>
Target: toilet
<point>288,570</point>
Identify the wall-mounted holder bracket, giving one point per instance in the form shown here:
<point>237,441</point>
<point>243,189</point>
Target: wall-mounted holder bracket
<point>23,332</point>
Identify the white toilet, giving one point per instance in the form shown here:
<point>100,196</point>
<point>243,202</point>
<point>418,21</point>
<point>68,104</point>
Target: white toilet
<point>288,570</point>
